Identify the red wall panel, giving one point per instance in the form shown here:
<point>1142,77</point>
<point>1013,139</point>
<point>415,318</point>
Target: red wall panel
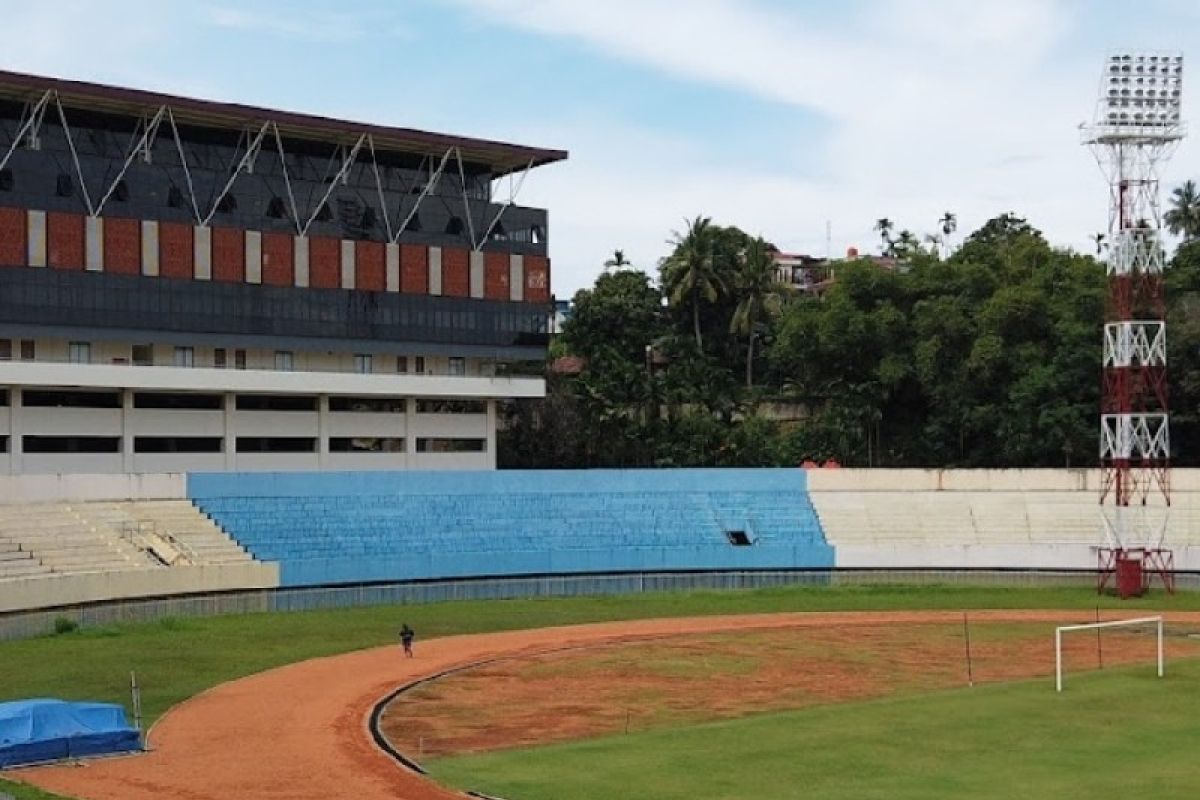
<point>229,255</point>
<point>456,272</point>
<point>325,262</point>
<point>122,246</point>
<point>278,263</point>
<point>64,240</point>
<point>537,279</point>
<point>370,266</point>
<point>13,250</point>
<point>414,268</point>
<point>175,251</point>
<point>495,276</point>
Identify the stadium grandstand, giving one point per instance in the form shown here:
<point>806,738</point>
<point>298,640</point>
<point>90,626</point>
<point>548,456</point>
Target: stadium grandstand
<point>191,285</point>
<point>245,349</point>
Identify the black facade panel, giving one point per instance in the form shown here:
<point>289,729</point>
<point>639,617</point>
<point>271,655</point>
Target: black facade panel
<point>56,298</point>
<point>158,189</point>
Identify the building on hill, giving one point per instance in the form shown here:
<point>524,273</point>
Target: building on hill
<point>814,275</point>
<point>192,285</point>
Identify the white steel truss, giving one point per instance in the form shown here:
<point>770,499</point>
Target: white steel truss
<point>1135,344</point>
<point>1135,251</point>
<point>245,164</point>
<point>250,145</point>
<point>434,177</point>
<point>141,146</point>
<point>514,189</point>
<point>1143,436</point>
<point>31,123</point>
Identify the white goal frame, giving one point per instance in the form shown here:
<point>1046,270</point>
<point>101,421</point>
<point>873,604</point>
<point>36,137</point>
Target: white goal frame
<point>1059,631</point>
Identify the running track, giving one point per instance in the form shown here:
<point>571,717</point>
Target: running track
<point>300,731</point>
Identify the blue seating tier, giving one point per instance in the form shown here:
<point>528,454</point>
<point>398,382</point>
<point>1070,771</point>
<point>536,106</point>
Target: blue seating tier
<point>331,528</point>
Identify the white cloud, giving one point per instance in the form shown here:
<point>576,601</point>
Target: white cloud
<point>931,105</point>
<point>292,23</point>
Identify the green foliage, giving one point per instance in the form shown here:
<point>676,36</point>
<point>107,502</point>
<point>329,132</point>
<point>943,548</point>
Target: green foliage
<point>986,358</point>
<point>1183,217</point>
<point>64,625</point>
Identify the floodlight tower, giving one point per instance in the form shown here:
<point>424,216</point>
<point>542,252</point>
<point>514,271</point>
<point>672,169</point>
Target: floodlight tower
<point>1136,129</point>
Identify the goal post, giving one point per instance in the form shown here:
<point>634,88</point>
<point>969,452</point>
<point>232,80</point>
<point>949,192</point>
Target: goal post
<point>1059,631</point>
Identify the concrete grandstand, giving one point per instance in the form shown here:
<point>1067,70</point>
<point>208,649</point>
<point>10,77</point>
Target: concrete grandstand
<point>77,539</point>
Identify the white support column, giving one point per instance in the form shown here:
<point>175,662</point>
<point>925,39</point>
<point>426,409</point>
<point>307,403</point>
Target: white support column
<point>347,264</point>
<point>15,429</point>
<point>300,251</point>
<point>93,243</point>
<point>476,274</point>
<point>491,434</point>
<point>253,257</point>
<point>230,408</point>
<point>435,270</point>
<point>516,277</point>
<point>323,431</point>
<point>202,251</point>
<point>149,247</point>
<point>392,254</point>
<point>36,242</point>
<point>127,413</point>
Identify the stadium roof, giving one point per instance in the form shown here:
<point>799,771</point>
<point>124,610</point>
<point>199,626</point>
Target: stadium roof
<point>501,157</point>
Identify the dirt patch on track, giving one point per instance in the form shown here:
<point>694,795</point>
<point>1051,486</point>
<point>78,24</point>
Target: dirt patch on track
<point>300,731</point>
<point>611,688</point>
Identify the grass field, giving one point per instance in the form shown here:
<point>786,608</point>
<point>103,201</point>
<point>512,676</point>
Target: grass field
<point>1111,734</point>
<point>176,658</point>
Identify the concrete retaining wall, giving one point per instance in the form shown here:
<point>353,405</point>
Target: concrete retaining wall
<point>63,590</point>
<point>16,489</point>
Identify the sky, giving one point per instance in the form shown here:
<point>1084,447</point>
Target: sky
<point>801,121</point>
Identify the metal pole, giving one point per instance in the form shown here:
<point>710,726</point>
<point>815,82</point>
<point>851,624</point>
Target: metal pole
<point>1058,660</point>
<point>1160,647</point>
<point>967,641</point>
<point>137,701</point>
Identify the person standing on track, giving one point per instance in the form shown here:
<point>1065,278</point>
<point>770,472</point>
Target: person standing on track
<point>407,635</point>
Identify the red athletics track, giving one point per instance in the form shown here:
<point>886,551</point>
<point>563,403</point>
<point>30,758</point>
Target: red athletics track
<point>301,731</point>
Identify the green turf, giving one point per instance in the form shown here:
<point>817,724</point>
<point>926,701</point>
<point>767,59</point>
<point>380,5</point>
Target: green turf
<point>1111,734</point>
<point>177,658</point>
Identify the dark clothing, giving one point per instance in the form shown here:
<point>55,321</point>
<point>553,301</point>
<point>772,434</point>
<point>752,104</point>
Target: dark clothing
<point>407,635</point>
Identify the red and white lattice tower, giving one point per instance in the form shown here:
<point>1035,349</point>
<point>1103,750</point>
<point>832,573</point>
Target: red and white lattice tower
<point>1136,129</point>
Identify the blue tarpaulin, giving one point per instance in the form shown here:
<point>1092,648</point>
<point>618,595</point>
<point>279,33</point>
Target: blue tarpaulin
<point>33,731</point>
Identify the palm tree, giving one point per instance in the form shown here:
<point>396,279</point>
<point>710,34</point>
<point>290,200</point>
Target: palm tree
<point>617,261</point>
<point>1184,215</point>
<point>1099,238</point>
<point>905,244</point>
<point>757,286</point>
<point>885,226</point>
<point>949,223</point>
<point>690,273</point>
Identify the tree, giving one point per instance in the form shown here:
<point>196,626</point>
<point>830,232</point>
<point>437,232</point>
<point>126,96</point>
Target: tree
<point>906,245</point>
<point>617,261</point>
<point>1183,218</point>
<point>691,274</point>
<point>621,312</point>
<point>757,292</point>
<point>948,224</point>
<point>884,226</point>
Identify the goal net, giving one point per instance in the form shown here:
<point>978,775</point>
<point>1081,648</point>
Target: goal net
<point>1140,622</point>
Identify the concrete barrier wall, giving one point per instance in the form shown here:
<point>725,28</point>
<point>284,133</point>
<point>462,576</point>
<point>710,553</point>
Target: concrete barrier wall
<point>975,480</point>
<point>16,489</point>
<point>65,590</point>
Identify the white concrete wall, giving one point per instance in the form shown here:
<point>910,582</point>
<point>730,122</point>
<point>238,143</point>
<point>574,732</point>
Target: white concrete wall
<point>988,519</point>
<point>78,487</point>
<point>60,590</point>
